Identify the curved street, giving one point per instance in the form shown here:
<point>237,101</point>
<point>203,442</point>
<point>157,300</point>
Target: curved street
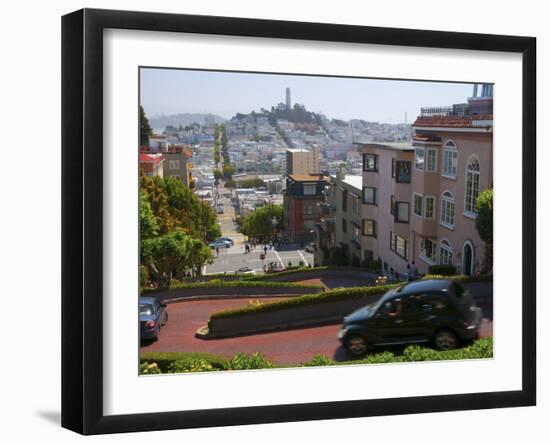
<point>285,347</point>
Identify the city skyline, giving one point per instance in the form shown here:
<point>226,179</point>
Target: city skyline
<point>173,91</point>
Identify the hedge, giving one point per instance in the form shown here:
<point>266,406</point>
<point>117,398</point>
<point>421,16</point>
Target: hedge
<point>460,278</point>
<point>481,348</point>
<point>164,360</point>
<point>442,270</point>
<point>175,362</point>
<point>337,295</point>
<point>308,299</point>
<point>270,275</point>
<point>305,270</point>
<point>217,283</point>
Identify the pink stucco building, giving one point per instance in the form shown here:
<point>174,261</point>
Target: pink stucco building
<point>419,200</point>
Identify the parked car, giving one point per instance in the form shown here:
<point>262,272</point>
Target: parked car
<point>153,314</point>
<point>245,271</point>
<point>429,311</point>
<point>220,244</point>
<point>310,248</point>
<point>229,239</point>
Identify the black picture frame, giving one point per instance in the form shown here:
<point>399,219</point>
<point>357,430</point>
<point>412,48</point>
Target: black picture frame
<point>82,232</point>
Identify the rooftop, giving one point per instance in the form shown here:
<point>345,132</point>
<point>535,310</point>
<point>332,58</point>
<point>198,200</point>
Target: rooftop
<point>150,158</point>
<point>307,177</point>
<point>465,121</point>
<point>403,146</point>
<point>355,181</point>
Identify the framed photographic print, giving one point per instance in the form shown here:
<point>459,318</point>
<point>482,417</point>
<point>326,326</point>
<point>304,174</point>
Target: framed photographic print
<point>269,221</point>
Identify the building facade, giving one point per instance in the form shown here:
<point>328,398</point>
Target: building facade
<point>151,164</point>
<point>301,196</point>
<point>339,229</point>
<point>177,164</point>
<point>302,161</point>
<point>419,201</point>
<point>386,194</point>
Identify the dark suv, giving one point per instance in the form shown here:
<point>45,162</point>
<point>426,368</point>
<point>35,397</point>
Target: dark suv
<point>438,311</point>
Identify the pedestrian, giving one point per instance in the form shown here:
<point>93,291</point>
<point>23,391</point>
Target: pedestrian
<point>217,251</point>
<point>409,273</point>
<point>265,249</point>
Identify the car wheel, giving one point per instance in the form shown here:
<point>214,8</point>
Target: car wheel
<point>356,344</point>
<point>445,340</point>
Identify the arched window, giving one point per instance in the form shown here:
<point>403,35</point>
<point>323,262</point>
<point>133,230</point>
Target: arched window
<point>450,159</point>
<point>472,184</point>
<point>447,210</point>
<point>445,252</point>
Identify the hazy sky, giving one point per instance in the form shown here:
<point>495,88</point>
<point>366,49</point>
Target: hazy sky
<point>171,91</point>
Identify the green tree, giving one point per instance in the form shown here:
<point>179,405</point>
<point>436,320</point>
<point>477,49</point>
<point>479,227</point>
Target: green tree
<point>174,206</point>
<point>218,174</point>
<point>145,129</point>
<point>251,183</point>
<point>484,225</point>
<point>259,222</point>
<point>228,171</point>
<point>168,254</point>
<point>208,223</point>
<point>154,188</point>
<point>148,226</point>
<point>200,255</point>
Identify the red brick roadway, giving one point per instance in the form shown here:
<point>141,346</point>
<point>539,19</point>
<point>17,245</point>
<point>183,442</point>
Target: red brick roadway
<point>285,347</point>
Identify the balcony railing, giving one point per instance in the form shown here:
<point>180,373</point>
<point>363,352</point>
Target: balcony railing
<point>458,110</point>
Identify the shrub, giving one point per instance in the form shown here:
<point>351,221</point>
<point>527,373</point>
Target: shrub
<point>235,283</point>
<point>244,361</point>
<point>460,278</point>
<point>195,364</point>
<point>147,368</point>
<point>164,360</point>
<point>319,360</point>
<point>443,270</point>
<point>372,264</point>
<point>288,271</point>
<point>143,276</point>
<point>176,362</point>
<point>308,299</point>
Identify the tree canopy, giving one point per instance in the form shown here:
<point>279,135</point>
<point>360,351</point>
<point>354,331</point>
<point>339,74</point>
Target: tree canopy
<point>174,228</point>
<point>484,224</point>
<point>173,254</point>
<point>174,206</point>
<point>145,129</point>
<point>148,226</point>
<point>259,222</point>
<point>484,220</point>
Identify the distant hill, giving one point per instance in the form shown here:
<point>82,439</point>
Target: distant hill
<point>182,119</point>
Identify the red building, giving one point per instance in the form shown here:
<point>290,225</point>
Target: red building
<point>151,164</point>
<point>302,194</point>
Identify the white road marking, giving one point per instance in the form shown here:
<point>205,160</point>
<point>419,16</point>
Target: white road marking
<point>279,258</point>
<point>303,258</point>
